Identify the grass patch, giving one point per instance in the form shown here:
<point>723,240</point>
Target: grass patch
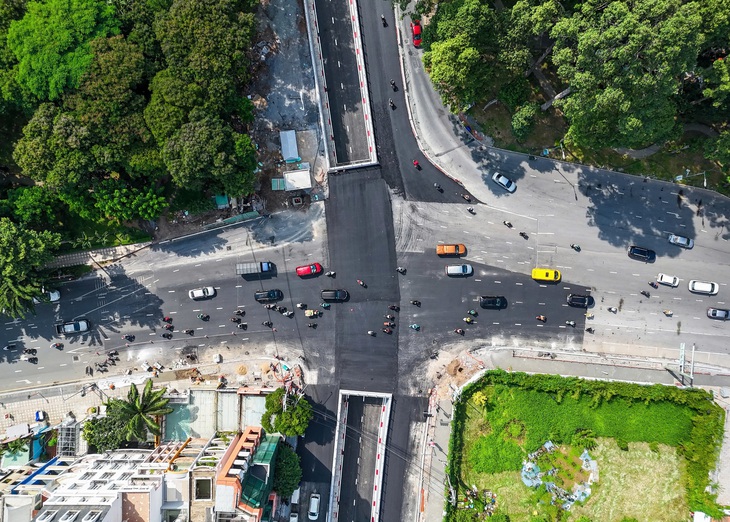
<point>89,235</point>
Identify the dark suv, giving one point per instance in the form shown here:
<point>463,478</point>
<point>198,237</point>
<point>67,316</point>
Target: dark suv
<point>581,301</point>
<point>334,295</point>
<point>264,296</point>
<point>642,254</point>
<point>493,302</point>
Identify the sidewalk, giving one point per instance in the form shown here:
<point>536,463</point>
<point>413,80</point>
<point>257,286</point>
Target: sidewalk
<point>97,257</point>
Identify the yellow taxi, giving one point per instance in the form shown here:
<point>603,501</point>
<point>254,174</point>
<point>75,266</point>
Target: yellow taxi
<point>546,274</point>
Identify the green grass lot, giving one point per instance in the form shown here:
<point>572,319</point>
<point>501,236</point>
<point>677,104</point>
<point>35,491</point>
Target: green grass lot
<point>673,159</point>
<point>641,472</point>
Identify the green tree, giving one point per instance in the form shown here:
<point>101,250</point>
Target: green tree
<point>457,70</point>
<point>35,207</point>
<point>718,149</point>
<point>523,120</point>
<point>119,202</point>
<point>717,83</point>
<point>290,421</point>
<point>139,411</point>
<point>23,254</point>
<point>287,471</point>
<point>51,43</point>
<point>623,62</point>
<point>173,97</point>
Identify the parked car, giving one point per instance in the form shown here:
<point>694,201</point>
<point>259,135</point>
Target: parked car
<point>642,254</point>
<point>665,279</point>
<point>459,270</point>
<point>504,182</point>
<point>451,250</point>
<point>294,517</point>
<point>580,301</point>
<point>313,511</point>
<point>681,241</point>
<point>265,296</point>
<point>718,313</point>
<point>201,293</point>
<point>334,295</point>
<point>416,29</point>
<point>307,270</point>
<point>703,287</point>
<point>546,274</point>
<point>492,302</point>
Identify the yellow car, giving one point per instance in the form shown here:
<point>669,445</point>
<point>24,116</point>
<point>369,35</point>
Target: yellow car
<point>546,274</point>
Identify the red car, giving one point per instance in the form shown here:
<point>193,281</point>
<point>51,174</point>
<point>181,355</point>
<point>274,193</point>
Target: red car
<point>314,268</point>
<point>416,28</point>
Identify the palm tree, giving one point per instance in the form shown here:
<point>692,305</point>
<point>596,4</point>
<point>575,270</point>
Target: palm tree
<point>139,411</point>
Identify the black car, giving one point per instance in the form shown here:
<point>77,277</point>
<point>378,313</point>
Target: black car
<point>492,302</point>
<point>265,296</point>
<point>642,254</point>
<point>581,301</point>
<point>335,295</point>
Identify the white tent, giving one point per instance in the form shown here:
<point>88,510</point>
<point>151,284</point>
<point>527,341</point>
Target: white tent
<point>289,150</point>
<point>298,179</point>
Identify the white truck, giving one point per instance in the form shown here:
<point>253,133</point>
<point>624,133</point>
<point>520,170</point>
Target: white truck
<point>263,267</point>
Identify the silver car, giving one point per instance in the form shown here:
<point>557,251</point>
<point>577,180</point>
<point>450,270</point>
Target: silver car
<point>504,182</point>
<point>718,313</point>
<point>681,241</point>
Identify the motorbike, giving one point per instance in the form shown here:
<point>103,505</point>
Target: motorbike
<point>575,247</point>
<point>468,320</point>
<point>326,306</point>
<point>312,325</point>
<point>507,224</point>
<point>371,332</point>
<point>30,351</point>
<point>189,331</point>
<point>242,326</point>
<point>168,327</point>
<point>387,330</point>
<point>590,330</point>
<point>654,284</point>
<point>415,302</point>
<point>166,335</point>
<point>524,235</point>
<point>32,360</point>
<point>114,352</point>
<point>645,293</point>
<point>389,316</point>
<point>613,309</point>
<point>668,313</point>
<point>361,283</point>
<point>203,317</point>
<point>401,270</point>
<point>394,308</point>
<point>57,345</point>
<point>416,164</point>
<point>301,306</point>
<point>541,318</point>
<point>382,19</point>
<point>473,312</point>
<point>459,331</point>
<point>167,319</point>
<point>390,102</point>
<point>240,312</point>
<point>570,323</point>
<point>389,323</point>
<point>288,314</point>
<point>331,273</point>
<point>268,324</point>
<point>392,84</point>
<point>414,326</point>
<point>128,337</point>
<point>466,197</point>
<point>280,309</point>
<point>270,306</point>
<point>589,315</point>
<point>470,210</point>
<point>438,187</point>
<point>235,319</point>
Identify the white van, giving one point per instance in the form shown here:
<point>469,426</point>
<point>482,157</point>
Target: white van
<point>703,287</point>
<point>459,270</point>
<point>294,497</point>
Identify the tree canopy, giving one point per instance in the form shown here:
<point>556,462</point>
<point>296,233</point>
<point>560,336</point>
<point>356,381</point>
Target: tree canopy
<point>287,471</point>
<point>51,43</point>
<point>138,412</point>
<point>290,420</point>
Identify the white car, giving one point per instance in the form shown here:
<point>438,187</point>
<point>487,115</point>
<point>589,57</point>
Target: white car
<point>681,241</point>
<point>50,296</point>
<point>202,293</point>
<point>665,279</point>
<point>313,511</point>
<point>703,287</point>
<point>504,182</point>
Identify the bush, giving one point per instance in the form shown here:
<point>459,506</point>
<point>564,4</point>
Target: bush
<point>523,120</point>
<point>622,444</point>
<point>515,93</point>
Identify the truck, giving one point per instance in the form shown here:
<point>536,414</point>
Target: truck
<point>450,250</point>
<point>263,267</point>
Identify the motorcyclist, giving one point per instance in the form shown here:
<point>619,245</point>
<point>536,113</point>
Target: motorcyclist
<point>468,320</point>
<point>570,323</point>
<point>392,82</point>
<point>390,102</point>
<point>523,234</point>
<point>242,326</point>
<point>400,270</point>
<point>437,186</point>
<point>415,302</point>
<point>301,306</point>
<point>459,331</point>
<point>415,326</point>
<point>370,332</point>
<point>470,209</point>
<point>240,312</point>
<point>507,224</point>
<point>394,308</point>
<point>361,282</point>
<point>415,163</point>
<point>268,324</point>
<point>312,325</point>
